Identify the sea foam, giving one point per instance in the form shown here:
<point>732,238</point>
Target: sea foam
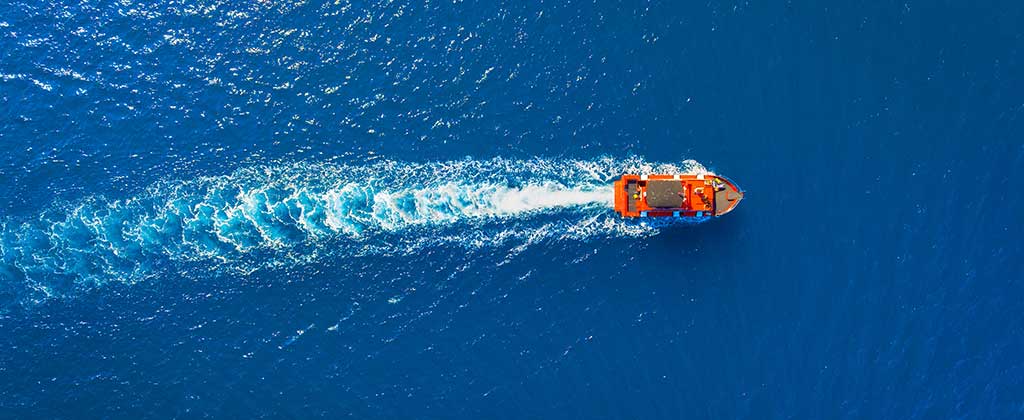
<point>294,213</point>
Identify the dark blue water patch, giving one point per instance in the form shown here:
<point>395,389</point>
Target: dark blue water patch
<point>411,335</point>
<point>291,81</point>
<point>418,308</point>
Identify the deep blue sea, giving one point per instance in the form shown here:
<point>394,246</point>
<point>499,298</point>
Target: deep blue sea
<point>391,209</point>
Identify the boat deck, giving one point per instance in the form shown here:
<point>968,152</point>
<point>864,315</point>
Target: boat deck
<point>689,195</point>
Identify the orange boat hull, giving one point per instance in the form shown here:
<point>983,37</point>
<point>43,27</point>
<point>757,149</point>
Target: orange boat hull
<point>699,196</point>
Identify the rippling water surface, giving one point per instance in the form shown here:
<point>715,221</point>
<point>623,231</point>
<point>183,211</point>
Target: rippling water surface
<point>387,209</point>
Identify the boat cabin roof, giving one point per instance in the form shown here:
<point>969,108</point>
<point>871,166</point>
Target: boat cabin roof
<point>665,193</point>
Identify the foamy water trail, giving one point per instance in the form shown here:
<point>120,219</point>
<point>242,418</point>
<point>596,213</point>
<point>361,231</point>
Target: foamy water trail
<point>283,214</point>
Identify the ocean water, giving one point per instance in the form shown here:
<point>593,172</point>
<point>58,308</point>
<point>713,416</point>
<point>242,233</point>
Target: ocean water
<point>387,209</point>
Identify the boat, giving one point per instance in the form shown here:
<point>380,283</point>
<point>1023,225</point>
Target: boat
<point>691,195</point>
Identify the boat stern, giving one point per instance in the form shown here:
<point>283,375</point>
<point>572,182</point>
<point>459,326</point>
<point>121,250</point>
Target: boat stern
<point>627,196</point>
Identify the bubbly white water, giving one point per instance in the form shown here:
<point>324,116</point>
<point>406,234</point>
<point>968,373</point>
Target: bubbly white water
<point>296,212</point>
